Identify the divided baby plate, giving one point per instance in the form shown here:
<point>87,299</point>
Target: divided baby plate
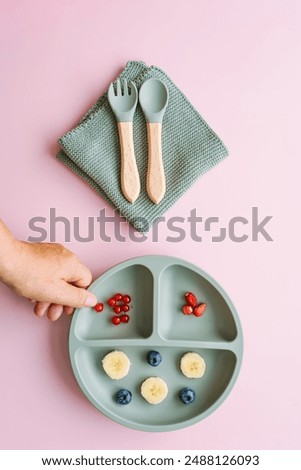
<point>157,285</point>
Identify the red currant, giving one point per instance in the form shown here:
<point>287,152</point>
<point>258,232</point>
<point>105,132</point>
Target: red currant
<point>98,307</point>
<point>187,310</point>
<point>125,308</point>
<point>118,297</point>
<point>116,320</point>
<point>126,299</point>
<point>117,309</point>
<point>112,302</point>
<point>124,318</point>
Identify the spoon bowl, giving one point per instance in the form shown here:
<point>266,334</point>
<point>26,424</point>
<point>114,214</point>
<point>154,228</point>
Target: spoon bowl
<point>153,99</point>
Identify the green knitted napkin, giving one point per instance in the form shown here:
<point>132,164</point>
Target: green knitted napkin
<point>189,147</point>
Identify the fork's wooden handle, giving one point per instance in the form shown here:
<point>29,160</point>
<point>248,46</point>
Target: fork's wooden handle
<point>155,171</point>
<point>130,183</point>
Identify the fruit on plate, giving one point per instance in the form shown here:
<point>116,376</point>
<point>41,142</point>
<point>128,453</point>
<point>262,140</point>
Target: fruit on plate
<point>192,365</point>
<point>117,309</point>
<point>191,299</point>
<point>120,303</point>
<point>125,318</point>
<point>98,307</point>
<point>123,396</point>
<point>116,365</point>
<point>199,310</point>
<point>111,302</point>
<point>187,309</point>
<point>116,320</point>
<point>192,305</point>
<point>187,395</point>
<point>154,390</point>
<point>154,358</point>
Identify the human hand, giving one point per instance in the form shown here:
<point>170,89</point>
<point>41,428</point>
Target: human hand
<point>48,274</point>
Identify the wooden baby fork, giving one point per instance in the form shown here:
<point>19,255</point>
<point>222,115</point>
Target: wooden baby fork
<point>124,105</point>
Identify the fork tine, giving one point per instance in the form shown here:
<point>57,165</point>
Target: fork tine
<point>133,89</point>
<point>118,88</point>
<point>125,87</point>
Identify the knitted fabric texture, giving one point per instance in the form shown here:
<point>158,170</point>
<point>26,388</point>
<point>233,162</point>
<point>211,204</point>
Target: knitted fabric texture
<point>189,147</point>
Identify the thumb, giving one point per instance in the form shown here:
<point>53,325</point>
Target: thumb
<point>73,296</point>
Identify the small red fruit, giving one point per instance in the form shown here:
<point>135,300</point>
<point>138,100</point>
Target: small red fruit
<point>124,318</point>
<point>116,320</point>
<point>117,309</point>
<point>199,310</point>
<point>118,297</point>
<point>98,307</point>
<point>126,299</point>
<point>191,299</point>
<point>112,302</point>
<point>187,309</point>
<point>125,308</point>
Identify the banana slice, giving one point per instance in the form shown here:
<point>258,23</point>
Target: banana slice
<point>154,390</point>
<point>192,365</point>
<point>116,365</point>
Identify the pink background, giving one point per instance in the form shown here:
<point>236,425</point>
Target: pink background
<point>239,64</point>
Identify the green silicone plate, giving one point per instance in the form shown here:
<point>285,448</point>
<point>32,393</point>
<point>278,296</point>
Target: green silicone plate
<point>157,285</point>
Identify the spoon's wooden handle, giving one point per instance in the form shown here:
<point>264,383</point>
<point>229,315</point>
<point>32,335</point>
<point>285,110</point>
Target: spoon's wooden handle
<point>155,172</point>
<point>130,183</point>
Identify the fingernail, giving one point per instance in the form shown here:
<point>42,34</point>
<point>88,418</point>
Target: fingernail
<point>90,301</point>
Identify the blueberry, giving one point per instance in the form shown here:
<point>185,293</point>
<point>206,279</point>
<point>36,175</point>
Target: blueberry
<point>187,395</point>
<point>123,397</point>
<point>154,358</point>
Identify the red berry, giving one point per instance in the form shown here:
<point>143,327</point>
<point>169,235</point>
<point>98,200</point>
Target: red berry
<point>118,297</point>
<point>126,299</point>
<point>112,302</point>
<point>199,310</point>
<point>124,318</point>
<point>98,307</point>
<point>125,308</point>
<point>191,299</point>
<point>116,320</point>
<point>187,309</point>
<point>117,309</point>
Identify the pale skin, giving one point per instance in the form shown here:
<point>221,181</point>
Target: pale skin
<point>48,274</point>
